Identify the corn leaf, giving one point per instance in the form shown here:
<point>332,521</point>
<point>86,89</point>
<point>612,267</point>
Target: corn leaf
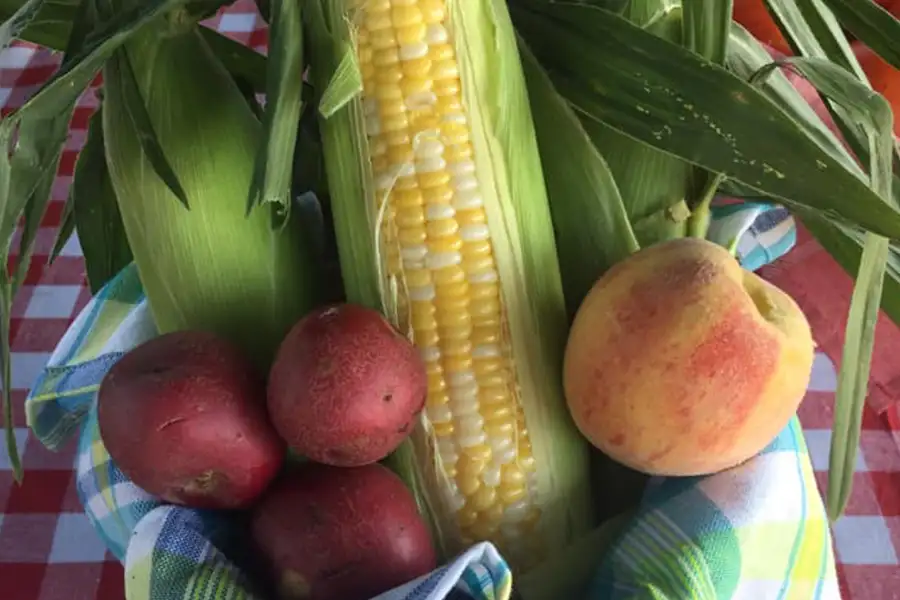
<point>15,24</point>
<point>34,211</point>
<point>845,245</point>
<point>646,12</point>
<point>242,62</point>
<point>12,449</point>
<point>746,57</point>
<point>670,98</point>
<point>26,178</point>
<point>27,170</point>
<point>592,228</point>
<point>873,113</point>
<point>863,106</point>
<point>84,19</point>
<point>272,173</point>
<point>812,30</point>
<point>78,70</point>
<point>143,127</point>
<point>40,197</point>
<point>654,186</point>
<point>706,26</point>
<point>52,25</point>
<point>853,380</point>
<point>64,231</point>
<point>872,24</point>
<point>96,211</point>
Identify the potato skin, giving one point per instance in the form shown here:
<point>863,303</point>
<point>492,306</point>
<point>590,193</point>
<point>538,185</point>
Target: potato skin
<point>333,533</point>
<point>346,386</point>
<point>183,416</point>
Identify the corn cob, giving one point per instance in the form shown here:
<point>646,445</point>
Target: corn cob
<point>211,267</point>
<point>443,223</point>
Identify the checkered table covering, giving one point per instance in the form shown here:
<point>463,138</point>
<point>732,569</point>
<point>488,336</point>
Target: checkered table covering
<point>47,548</point>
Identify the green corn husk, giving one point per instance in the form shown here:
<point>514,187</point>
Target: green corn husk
<point>211,267</point>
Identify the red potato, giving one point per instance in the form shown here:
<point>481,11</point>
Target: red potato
<point>346,387</point>
<point>331,533</point>
<point>184,417</point>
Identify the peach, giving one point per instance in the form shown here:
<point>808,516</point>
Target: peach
<point>680,362</point>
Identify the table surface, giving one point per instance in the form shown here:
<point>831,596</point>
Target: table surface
<point>48,550</point>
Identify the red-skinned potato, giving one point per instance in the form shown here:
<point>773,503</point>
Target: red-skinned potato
<point>184,417</point>
<point>333,533</point>
<point>346,386</point>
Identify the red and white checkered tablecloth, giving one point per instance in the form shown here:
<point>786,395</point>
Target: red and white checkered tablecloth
<point>48,550</point>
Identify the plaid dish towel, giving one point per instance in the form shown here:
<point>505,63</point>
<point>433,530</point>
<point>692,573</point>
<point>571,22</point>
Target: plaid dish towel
<point>755,532</point>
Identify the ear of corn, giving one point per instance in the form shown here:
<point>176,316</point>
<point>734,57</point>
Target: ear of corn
<point>210,267</point>
<point>442,222</point>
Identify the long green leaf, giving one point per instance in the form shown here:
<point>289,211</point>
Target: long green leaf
<point>143,127</point>
<point>52,25</point>
<point>819,36</point>
<point>813,30</point>
<point>25,182</point>
<point>41,128</point>
<point>870,110</point>
<point>810,28</point>
<point>871,24</point>
<point>242,62</point>
<point>77,71</point>
<point>654,186</point>
<point>845,245</point>
<point>84,19</point>
<point>12,449</point>
<point>64,231</point>
<point>14,25</point>
<point>746,57</point>
<point>643,12</point>
<point>853,379</point>
<point>706,27</point>
<point>34,210</point>
<point>272,172</point>
<point>673,100</point>
<point>96,211</point>
<point>873,113</point>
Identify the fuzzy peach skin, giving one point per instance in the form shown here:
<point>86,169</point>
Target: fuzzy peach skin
<point>680,362</point>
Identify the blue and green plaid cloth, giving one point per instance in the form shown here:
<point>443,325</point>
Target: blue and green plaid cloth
<point>755,532</point>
